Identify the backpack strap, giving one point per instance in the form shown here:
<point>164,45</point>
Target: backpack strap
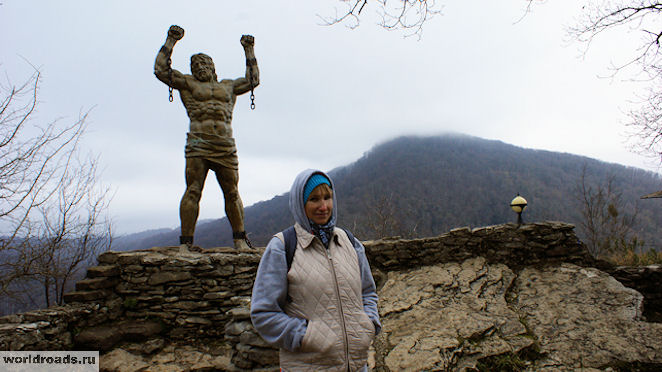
<point>290,240</point>
<point>351,237</point>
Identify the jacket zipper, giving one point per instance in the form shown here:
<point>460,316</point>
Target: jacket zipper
<point>342,316</point>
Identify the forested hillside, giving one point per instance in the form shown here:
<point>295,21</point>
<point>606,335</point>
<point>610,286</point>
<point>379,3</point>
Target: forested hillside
<point>425,186</point>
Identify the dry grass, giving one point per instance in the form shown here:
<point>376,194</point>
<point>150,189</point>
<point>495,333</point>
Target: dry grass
<point>631,258</point>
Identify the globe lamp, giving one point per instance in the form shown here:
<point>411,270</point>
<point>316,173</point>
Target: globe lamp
<point>518,205</point>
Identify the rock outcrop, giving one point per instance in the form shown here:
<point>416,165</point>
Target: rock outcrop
<point>507,297</point>
<point>459,316</point>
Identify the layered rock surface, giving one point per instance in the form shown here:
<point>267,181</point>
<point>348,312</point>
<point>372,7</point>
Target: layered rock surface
<point>460,316</point>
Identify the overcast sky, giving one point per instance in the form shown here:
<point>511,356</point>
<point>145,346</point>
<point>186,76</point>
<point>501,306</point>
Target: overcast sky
<point>327,94</point>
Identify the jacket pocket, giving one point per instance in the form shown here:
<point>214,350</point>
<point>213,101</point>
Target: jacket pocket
<point>368,333</point>
<point>318,338</point>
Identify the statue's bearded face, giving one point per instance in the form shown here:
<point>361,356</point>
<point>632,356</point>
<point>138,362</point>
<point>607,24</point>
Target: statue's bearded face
<point>202,67</point>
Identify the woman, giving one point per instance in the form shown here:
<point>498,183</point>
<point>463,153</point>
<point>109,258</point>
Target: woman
<point>320,310</point>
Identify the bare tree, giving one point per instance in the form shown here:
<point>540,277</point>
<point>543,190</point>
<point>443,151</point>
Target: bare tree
<point>382,217</point>
<point>52,213</point>
<point>381,220</point>
<point>641,18</point>
<point>608,230</point>
<point>407,15</point>
<point>73,229</point>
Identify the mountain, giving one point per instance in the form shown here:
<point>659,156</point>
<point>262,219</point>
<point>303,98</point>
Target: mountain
<point>424,186</point>
<point>132,241</point>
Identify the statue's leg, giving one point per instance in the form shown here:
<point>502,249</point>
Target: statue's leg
<point>196,172</point>
<point>229,179</point>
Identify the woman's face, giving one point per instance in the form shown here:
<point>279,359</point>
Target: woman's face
<point>319,205</point>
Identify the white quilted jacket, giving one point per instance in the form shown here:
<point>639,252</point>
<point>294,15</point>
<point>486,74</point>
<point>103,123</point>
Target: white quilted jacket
<point>325,288</point>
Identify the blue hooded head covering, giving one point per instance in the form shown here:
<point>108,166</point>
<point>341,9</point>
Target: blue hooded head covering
<point>297,203</point>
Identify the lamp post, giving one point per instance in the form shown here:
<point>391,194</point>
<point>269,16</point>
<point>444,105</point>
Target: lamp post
<point>518,205</point>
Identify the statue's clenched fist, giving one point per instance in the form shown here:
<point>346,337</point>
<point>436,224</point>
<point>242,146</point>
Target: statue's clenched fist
<point>247,40</point>
<point>176,32</point>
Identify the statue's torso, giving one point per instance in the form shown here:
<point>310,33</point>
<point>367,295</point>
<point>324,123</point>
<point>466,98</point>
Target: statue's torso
<point>209,106</point>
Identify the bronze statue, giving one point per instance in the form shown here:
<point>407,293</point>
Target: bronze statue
<point>209,143</point>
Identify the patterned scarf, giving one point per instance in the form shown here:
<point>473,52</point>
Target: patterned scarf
<point>324,232</point>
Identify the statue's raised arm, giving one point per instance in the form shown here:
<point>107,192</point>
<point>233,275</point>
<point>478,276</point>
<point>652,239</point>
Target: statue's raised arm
<point>252,78</point>
<point>162,68</point>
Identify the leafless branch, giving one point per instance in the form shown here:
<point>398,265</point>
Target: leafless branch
<point>406,15</point>
<point>642,18</point>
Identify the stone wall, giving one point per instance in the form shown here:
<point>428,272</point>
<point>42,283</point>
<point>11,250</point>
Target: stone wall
<point>49,329</point>
<point>189,293</point>
<point>511,244</point>
<point>201,297</point>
